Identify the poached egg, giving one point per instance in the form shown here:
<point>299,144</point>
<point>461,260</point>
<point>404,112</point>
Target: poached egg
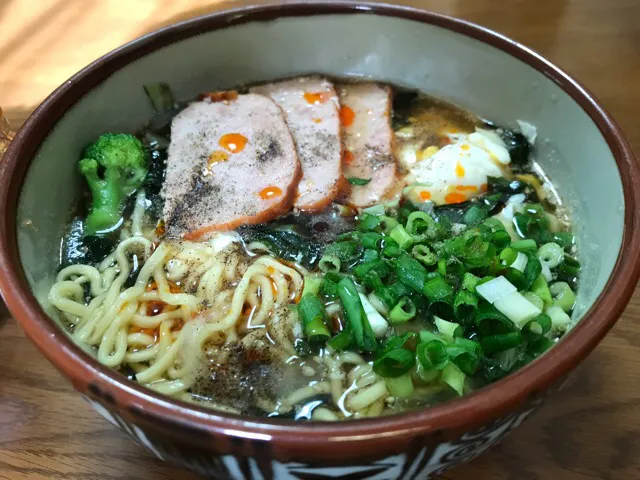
<point>458,171</point>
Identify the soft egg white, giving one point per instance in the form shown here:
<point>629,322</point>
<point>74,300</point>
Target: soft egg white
<point>460,170</point>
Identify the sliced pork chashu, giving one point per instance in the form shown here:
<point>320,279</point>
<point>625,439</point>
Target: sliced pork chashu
<point>368,140</point>
<point>230,163</point>
<point>312,111</point>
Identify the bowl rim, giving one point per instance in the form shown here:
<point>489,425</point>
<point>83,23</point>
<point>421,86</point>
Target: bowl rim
<point>471,410</point>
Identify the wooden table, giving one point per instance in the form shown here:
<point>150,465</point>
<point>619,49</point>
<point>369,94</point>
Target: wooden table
<point>590,431</point>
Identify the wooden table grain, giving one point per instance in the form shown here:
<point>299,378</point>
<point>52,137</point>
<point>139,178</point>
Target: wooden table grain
<point>591,430</point>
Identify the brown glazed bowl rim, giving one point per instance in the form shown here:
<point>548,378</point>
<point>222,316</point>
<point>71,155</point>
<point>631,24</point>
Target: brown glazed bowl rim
<point>459,415</point>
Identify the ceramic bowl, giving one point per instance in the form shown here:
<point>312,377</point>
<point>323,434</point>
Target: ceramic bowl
<point>579,146</point>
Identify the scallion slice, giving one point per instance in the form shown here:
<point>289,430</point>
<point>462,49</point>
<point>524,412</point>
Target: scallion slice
<point>449,329</point>
<point>394,363</point>
<point>454,377</point>
<point>400,386</point>
<point>403,311</point>
<point>401,237</point>
<point>313,318</point>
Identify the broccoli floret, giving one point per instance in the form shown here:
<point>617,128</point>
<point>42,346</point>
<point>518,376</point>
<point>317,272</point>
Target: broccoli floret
<point>115,166</point>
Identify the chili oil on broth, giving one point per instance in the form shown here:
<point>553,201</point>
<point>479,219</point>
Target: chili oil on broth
<point>216,322</point>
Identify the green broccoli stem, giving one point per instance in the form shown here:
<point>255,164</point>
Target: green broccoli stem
<point>108,199</point>
<point>106,210</point>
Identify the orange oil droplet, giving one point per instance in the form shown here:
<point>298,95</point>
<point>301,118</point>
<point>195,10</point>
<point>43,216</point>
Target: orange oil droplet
<point>454,198</point>
<point>160,228</point>
<point>424,195</point>
<point>271,270</point>
<point>317,98</point>
<point>174,287</point>
<point>347,116</point>
<point>270,192</point>
<point>348,157</point>
<point>217,157</point>
<point>317,120</point>
<point>459,170</point>
<point>233,142</point>
<point>464,188</point>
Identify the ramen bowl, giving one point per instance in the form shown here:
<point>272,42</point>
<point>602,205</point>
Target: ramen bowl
<point>579,146</point>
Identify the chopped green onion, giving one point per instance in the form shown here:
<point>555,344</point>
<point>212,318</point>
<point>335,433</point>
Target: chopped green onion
<point>424,254</point>
<point>502,342</point>
<point>379,266</point>
<point>355,315</point>
<point>391,250</point>
<point>312,284</point>
<point>329,264</point>
<point>404,311</point>
<point>538,326</point>
<point>427,336</point>
<point>489,321</point>
<point>474,216</point>
<point>313,318</point>
<point>394,363</point>
<point>406,341</point>
<point>533,298</point>
<point>516,277</point>
<point>469,282</point>
<point>342,341</point>
<point>564,239</point>
<point>508,256</point>
<point>437,289</point>
<point>387,223</point>
<point>422,226</point>
<point>563,296</point>
<point>569,267</point>
<point>495,289</point>
<point>448,329</point>
<point>371,240</point>
<point>465,306</point>
<point>411,273</point>
<point>401,386</point>
<point>524,245</point>
<point>465,354</point>
<point>375,210</point>
<point>344,251</point>
<point>378,324</point>
<point>532,270</point>
<point>369,255</point>
<point>432,355</point>
<point>501,238</point>
<point>551,254</point>
<point>538,346</point>
<point>401,237</point>
<point>559,319</point>
<point>425,376</point>
<point>541,289</point>
<point>368,222</point>
<point>494,224</point>
<point>520,263</point>
<point>517,308</point>
<point>358,181</point>
<point>454,377</point>
<point>329,287</point>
